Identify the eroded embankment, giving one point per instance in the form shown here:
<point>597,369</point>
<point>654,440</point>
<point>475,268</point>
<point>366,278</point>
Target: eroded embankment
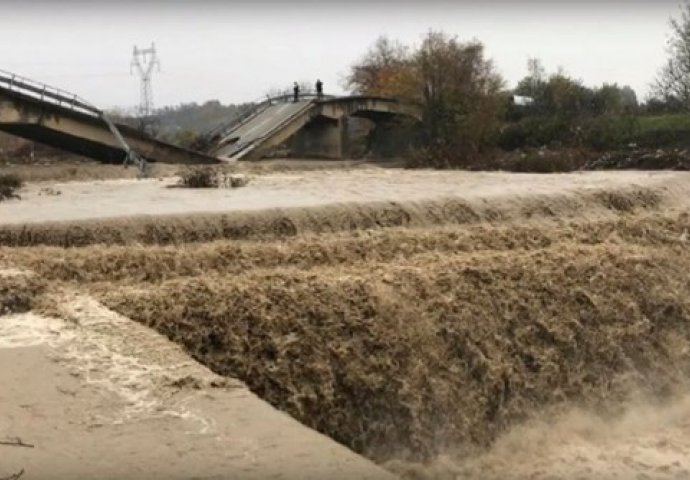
<point>403,343</point>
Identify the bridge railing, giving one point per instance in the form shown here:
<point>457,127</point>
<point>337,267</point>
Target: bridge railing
<point>62,98</point>
<point>46,93</point>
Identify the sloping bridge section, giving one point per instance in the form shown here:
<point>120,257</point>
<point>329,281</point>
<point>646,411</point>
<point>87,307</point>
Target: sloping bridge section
<point>273,122</point>
<point>57,118</point>
<point>248,135</point>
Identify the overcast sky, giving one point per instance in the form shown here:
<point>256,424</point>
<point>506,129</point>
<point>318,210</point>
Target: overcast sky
<point>237,51</point>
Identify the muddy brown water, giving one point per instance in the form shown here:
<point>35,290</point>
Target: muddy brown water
<point>127,197</point>
<point>539,334</point>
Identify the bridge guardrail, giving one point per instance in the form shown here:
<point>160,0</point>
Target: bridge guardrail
<point>64,99</point>
<point>46,93</point>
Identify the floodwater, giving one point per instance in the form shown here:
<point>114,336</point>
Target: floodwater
<point>116,198</point>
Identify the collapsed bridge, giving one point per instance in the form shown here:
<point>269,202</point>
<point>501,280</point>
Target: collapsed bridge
<point>313,126</point>
<point>60,119</point>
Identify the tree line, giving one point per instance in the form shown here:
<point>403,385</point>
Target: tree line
<point>468,109</point>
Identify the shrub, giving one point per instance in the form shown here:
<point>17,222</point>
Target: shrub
<point>9,184</point>
<point>535,132</point>
<point>607,132</point>
<point>200,177</point>
<point>237,181</point>
<point>210,177</point>
<point>671,137</point>
<point>602,132</point>
<point>537,162</point>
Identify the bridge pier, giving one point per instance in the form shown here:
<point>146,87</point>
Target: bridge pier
<point>323,137</point>
<point>390,136</point>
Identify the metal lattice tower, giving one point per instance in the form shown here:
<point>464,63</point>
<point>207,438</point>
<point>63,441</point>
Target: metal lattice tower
<point>145,60</point>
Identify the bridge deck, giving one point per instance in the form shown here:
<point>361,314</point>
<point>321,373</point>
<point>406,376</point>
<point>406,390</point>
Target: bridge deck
<point>52,116</point>
<point>81,130</point>
<point>248,133</point>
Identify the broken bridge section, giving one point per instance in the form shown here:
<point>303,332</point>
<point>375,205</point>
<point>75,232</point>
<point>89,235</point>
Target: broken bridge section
<point>316,126</point>
<point>60,119</point>
<point>266,125</point>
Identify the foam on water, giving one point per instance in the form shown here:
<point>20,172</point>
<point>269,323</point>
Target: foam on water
<point>30,330</point>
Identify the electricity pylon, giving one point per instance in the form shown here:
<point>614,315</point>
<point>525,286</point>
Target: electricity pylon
<point>145,60</point>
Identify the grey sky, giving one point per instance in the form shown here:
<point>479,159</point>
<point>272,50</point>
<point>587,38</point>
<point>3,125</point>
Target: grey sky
<point>237,51</point>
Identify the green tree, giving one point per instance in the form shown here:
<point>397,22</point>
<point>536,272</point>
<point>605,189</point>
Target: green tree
<point>555,94</point>
<point>566,96</point>
<point>629,99</point>
<point>612,99</point>
<point>564,111</point>
<point>460,90</point>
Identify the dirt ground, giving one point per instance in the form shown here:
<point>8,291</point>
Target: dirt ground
<point>446,325</point>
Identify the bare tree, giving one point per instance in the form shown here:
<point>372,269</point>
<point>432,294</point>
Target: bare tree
<point>673,80</point>
<point>536,76</point>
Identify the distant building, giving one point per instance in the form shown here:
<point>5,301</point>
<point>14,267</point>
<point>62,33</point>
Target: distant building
<point>522,100</point>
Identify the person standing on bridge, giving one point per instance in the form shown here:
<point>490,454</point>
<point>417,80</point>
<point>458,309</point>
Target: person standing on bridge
<point>319,88</point>
<point>295,91</point>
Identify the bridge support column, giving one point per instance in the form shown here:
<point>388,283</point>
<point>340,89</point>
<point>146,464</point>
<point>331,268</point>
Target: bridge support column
<point>323,137</point>
<point>391,137</point>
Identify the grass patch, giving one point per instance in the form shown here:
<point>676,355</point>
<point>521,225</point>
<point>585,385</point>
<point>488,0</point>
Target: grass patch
<point>663,131</point>
<point>662,122</point>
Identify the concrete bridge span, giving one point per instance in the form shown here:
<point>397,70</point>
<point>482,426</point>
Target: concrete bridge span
<point>367,106</point>
<point>62,120</point>
<point>320,122</point>
<point>312,126</point>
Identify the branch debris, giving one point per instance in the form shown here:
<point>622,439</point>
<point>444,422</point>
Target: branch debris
<point>14,476</point>
<point>17,442</point>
